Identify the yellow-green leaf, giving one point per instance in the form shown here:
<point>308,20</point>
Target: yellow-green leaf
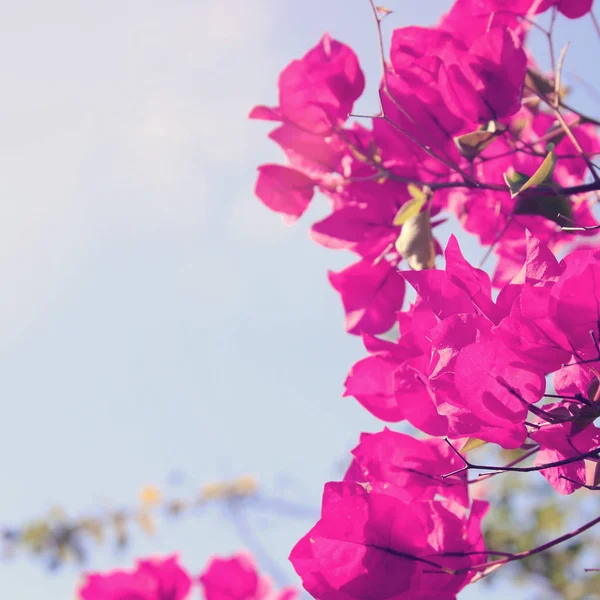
<point>416,192</point>
<point>471,144</point>
<point>413,207</point>
<point>515,181</point>
<point>472,444</point>
<point>541,176</point>
<point>409,210</point>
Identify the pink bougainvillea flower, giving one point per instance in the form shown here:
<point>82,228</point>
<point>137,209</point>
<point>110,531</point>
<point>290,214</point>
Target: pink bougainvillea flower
<point>486,82</point>
<point>496,217</point>
<point>453,371</point>
<point>316,156</point>
<point>369,545</point>
<point>442,296</point>
<point>366,229</point>
<point>560,442</point>
<point>317,92</point>
<point>479,12</point>
<point>371,294</point>
<point>448,340</point>
<point>155,579</point>
<point>416,111</point>
<point>363,217</point>
<point>469,19</point>
<point>577,379</point>
<point>475,282</point>
<point>498,386</point>
<point>414,466</point>
<point>391,383</point>
<point>573,9</point>
<point>530,331</point>
<point>477,83</point>
<point>540,267</point>
<point>372,381</point>
<point>236,578</point>
<point>575,301</point>
<point>529,328</point>
<point>284,190</point>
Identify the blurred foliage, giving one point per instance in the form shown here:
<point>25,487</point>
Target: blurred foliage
<point>526,512</point>
<point>59,538</point>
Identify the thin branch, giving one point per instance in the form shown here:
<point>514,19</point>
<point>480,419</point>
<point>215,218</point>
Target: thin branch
<point>521,458</point>
<point>557,79</point>
<point>595,22</point>
<point>492,566</point>
<point>558,463</point>
<point>583,485</point>
<point>424,147</point>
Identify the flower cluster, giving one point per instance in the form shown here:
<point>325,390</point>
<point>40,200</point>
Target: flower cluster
<point>469,124</point>
<point>402,523</point>
<point>466,366</point>
<point>394,528</point>
<point>232,578</point>
<point>466,118</point>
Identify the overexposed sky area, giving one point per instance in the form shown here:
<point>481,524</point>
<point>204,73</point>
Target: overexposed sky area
<point>155,317</point>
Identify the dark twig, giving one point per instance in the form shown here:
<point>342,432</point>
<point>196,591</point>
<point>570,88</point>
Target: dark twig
<point>558,463</point>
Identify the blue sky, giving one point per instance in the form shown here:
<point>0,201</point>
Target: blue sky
<point>155,315</point>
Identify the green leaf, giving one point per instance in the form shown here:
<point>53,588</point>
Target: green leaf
<point>472,444</point>
<point>546,202</point>
<point>411,208</point>
<point>515,182</point>
<point>471,144</point>
<point>541,176</point>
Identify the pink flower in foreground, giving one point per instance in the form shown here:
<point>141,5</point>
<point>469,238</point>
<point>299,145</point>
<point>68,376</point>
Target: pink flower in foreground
<point>369,545</point>
<point>414,466</point>
<point>575,301</point>
<point>236,578</point>
<point>560,442</point>
<point>154,579</point>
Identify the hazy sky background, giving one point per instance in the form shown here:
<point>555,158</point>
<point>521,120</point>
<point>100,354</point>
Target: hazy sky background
<point>155,316</point>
